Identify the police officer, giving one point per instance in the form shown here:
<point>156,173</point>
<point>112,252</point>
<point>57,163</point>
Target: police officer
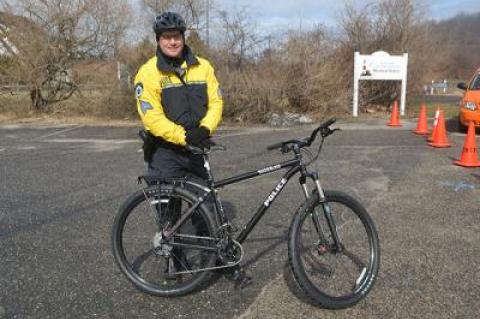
<point>178,100</point>
<point>179,103</point>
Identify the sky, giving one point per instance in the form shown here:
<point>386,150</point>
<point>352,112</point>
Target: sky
<point>275,16</point>
<point>290,12</point>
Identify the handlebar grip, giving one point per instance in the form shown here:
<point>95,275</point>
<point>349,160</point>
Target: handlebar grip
<point>322,127</point>
<point>328,123</point>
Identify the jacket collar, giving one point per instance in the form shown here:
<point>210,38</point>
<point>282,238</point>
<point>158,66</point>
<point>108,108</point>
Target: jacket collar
<point>188,56</point>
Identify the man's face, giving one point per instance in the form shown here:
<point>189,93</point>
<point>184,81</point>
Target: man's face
<point>171,43</point>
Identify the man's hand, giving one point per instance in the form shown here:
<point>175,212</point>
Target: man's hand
<point>196,136</point>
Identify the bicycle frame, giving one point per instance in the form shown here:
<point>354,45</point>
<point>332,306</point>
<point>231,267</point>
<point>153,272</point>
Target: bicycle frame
<point>296,165</point>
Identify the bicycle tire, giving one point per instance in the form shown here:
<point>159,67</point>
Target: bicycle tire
<point>353,224</point>
<point>135,267</point>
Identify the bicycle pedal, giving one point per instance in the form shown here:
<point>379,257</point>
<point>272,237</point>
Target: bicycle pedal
<point>241,279</point>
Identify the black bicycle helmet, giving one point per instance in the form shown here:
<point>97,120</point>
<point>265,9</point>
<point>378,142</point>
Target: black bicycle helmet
<point>169,21</point>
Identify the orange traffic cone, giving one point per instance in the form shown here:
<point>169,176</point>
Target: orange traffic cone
<point>440,137</point>
<point>395,116</point>
<point>435,122</point>
<point>422,126</point>
<point>469,156</point>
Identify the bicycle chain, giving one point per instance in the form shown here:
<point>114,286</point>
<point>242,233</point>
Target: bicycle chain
<point>216,267</point>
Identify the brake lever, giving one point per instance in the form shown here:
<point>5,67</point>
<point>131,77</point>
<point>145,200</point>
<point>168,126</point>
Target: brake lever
<point>324,132</point>
<point>328,131</point>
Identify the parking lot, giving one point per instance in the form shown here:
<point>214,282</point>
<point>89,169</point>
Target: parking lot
<point>61,185</point>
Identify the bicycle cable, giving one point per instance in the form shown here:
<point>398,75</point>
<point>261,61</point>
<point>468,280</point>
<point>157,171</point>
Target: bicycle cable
<point>313,158</point>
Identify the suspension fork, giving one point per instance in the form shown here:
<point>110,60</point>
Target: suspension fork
<point>328,215</point>
<point>303,182</point>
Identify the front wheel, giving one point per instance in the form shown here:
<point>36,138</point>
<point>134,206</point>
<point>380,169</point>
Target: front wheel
<point>334,273</point>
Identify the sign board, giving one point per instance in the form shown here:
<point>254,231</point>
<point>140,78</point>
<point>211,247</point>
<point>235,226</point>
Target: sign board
<point>441,85</point>
<point>380,66</point>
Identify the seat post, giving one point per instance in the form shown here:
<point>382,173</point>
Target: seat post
<point>216,203</point>
<point>208,169</point>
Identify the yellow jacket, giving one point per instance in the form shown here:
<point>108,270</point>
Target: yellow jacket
<point>168,107</point>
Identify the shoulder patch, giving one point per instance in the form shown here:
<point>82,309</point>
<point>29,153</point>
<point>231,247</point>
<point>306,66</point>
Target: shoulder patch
<point>145,106</point>
<point>138,90</point>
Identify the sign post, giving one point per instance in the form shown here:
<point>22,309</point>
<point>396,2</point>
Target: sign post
<point>380,66</point>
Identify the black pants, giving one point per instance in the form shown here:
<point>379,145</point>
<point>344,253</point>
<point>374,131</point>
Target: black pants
<point>170,162</point>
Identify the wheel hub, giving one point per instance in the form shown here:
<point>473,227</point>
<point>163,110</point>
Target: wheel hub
<point>161,248</point>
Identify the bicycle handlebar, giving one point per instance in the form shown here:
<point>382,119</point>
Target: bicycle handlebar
<point>280,144</point>
<point>286,146</point>
<point>323,128</point>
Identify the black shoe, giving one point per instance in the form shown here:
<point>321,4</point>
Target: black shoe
<point>238,275</point>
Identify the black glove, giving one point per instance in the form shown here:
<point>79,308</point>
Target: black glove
<point>206,144</point>
<point>197,135</point>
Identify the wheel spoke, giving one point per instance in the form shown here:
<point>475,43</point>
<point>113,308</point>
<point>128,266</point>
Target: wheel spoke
<point>334,277</point>
<point>137,262</point>
<point>148,259</point>
<point>356,259</point>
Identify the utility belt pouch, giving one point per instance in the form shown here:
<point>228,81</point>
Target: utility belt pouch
<point>149,145</point>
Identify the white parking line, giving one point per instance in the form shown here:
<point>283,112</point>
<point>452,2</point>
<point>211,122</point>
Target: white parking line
<point>91,140</point>
<point>58,132</point>
<point>96,144</point>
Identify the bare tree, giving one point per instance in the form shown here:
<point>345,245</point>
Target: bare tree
<point>356,26</point>
<point>390,25</point>
<point>457,38</point>
<point>238,39</point>
<point>50,36</point>
<point>395,26</point>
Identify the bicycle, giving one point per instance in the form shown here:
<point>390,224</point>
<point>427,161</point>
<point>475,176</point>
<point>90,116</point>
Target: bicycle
<point>183,234</point>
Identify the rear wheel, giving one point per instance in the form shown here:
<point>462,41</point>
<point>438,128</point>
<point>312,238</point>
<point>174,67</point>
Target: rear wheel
<point>331,277</point>
<point>159,266</point>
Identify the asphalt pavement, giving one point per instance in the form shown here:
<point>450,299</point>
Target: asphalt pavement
<point>61,185</point>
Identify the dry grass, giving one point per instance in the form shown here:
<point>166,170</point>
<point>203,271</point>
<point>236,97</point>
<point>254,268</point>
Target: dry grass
<point>106,104</point>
